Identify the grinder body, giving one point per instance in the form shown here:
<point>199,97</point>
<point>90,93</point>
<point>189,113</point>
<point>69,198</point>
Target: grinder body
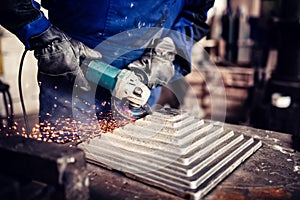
<point>123,84</point>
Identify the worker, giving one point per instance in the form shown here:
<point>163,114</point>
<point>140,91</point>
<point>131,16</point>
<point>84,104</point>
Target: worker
<point>77,30</point>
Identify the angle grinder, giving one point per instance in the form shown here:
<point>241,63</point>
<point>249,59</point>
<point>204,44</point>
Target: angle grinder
<point>129,93</point>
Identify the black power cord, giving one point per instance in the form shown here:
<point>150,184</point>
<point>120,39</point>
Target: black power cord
<point>21,92</point>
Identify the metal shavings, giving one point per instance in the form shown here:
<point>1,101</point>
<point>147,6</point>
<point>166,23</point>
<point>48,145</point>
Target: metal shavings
<point>283,150</point>
<point>297,169</point>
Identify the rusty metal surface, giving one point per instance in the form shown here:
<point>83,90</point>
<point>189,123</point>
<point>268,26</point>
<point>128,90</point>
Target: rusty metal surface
<point>173,151</point>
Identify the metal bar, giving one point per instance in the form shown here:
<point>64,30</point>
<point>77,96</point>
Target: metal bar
<point>50,163</point>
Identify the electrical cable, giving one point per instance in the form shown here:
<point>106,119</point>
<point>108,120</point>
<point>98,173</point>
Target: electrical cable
<point>21,92</point>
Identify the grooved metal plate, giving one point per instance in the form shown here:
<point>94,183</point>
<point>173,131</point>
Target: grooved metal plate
<point>172,150</point>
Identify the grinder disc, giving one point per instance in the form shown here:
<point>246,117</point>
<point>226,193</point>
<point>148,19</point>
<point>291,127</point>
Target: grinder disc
<point>123,109</point>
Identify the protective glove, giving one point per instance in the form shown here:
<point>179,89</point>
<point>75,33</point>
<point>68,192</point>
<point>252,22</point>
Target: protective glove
<point>156,66</point>
<point>59,55</point>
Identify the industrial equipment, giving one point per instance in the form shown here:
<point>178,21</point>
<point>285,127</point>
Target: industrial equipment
<point>281,102</point>
<point>131,94</point>
<point>6,118</point>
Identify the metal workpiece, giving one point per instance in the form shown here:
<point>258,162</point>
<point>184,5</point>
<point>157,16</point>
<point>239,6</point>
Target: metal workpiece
<point>59,167</point>
<point>174,151</point>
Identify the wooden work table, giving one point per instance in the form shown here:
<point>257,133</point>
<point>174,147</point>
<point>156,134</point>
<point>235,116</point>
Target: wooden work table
<point>273,172</point>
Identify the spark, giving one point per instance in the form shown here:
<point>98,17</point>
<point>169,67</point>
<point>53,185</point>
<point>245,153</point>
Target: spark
<point>66,130</point>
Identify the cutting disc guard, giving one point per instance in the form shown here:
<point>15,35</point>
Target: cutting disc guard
<point>123,109</point>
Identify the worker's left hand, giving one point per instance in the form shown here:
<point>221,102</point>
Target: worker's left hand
<point>156,66</point>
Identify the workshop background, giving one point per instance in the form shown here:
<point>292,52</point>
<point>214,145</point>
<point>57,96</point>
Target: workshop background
<point>254,45</point>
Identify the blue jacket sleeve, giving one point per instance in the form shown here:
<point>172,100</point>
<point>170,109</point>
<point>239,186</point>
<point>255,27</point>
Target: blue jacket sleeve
<point>189,27</point>
<point>23,18</point>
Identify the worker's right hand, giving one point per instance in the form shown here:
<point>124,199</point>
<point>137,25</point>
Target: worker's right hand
<point>59,55</point>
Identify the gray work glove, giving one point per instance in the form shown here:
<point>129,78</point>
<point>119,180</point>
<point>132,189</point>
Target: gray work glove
<point>156,66</point>
<point>59,55</point>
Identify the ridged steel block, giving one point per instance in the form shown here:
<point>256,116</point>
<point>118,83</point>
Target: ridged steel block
<point>174,151</point>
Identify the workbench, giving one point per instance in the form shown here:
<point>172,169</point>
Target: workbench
<point>273,172</point>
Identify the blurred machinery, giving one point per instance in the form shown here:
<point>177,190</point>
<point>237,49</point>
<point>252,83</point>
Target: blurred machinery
<point>260,36</point>
<point>1,62</point>
<point>6,108</point>
<point>230,32</point>
<point>279,108</point>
